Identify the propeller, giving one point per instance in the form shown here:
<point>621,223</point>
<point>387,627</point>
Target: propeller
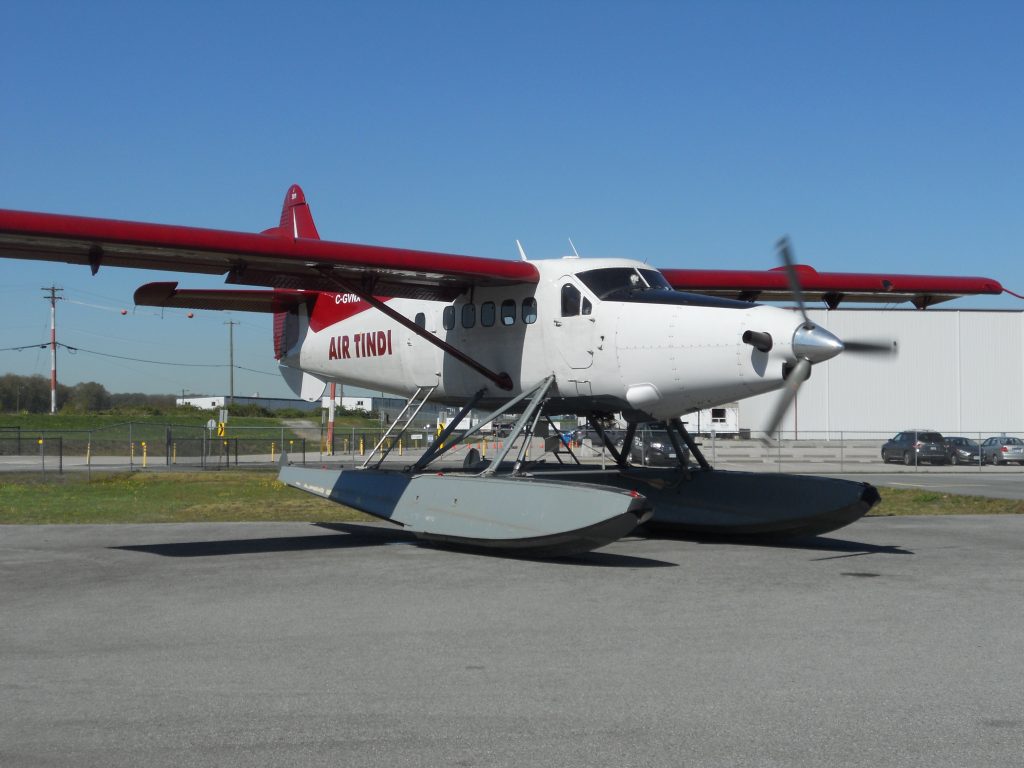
<point>811,344</point>
<point>785,252</point>
<point>871,347</point>
<point>800,373</point>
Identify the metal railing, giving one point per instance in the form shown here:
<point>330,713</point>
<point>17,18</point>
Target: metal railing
<point>138,446</point>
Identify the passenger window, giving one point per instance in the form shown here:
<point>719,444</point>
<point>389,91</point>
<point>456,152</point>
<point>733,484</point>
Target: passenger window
<point>508,312</point>
<point>570,300</point>
<point>421,320</point>
<point>530,310</point>
<point>587,307</point>
<point>448,318</point>
<point>468,315</point>
<point>487,314</point>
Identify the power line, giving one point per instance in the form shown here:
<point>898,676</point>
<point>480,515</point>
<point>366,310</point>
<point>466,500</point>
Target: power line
<point>43,345</point>
<point>153,362</point>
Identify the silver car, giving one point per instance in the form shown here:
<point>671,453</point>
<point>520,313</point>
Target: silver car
<point>1002,450</point>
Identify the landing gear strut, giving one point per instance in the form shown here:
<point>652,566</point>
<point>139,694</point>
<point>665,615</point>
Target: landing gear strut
<point>676,431</point>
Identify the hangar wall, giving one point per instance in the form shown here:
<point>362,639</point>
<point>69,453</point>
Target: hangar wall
<point>957,371</point>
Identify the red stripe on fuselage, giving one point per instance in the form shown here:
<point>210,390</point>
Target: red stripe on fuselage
<point>331,308</point>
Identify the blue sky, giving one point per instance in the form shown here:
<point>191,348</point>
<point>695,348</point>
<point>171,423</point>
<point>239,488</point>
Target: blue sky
<point>879,135</point>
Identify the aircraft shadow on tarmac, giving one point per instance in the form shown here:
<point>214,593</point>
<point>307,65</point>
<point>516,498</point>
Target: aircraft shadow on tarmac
<point>841,547</point>
<point>353,536</point>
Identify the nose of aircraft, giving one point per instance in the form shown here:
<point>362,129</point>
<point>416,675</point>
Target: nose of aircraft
<point>814,344</point>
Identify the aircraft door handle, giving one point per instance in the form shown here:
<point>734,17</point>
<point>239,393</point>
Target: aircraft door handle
<point>558,323</point>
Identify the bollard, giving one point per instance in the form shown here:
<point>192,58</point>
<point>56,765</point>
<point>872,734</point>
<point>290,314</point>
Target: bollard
<point>362,449</point>
<point>174,453</point>
<point>144,454</point>
<point>42,455</point>
<point>400,447</point>
<point>271,451</point>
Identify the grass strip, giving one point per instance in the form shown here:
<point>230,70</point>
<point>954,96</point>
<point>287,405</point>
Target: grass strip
<point>256,495</point>
<point>914,501</point>
<point>161,497</point>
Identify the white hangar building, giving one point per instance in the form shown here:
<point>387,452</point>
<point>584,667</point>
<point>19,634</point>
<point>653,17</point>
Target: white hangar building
<point>957,371</point>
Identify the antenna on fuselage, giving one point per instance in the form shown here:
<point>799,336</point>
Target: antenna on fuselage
<point>573,248</point>
<point>522,253</point>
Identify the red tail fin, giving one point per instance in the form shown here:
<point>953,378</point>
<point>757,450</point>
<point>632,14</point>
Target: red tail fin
<point>296,220</point>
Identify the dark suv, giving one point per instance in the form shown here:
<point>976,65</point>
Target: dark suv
<point>915,446</point>
<point>654,448</point>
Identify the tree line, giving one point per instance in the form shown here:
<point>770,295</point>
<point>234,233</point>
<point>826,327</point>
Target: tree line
<point>31,394</point>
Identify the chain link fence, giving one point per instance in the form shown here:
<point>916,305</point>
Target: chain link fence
<point>137,446</point>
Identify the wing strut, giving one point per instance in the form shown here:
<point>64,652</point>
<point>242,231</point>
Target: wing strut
<point>503,380</point>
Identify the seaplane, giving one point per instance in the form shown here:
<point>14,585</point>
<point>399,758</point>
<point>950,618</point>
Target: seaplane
<point>521,339</point>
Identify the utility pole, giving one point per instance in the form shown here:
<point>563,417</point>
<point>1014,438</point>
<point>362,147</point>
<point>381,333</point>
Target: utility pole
<point>231,360</point>
<point>53,297</point>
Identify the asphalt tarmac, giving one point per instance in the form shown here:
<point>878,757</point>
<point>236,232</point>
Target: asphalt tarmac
<point>894,642</point>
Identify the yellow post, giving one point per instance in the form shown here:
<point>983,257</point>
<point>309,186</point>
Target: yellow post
<point>144,454</point>
<point>271,452</point>
<point>399,447</point>
<point>174,453</point>
<point>88,451</point>
<point>483,448</point>
<point>133,452</point>
<point>362,448</point>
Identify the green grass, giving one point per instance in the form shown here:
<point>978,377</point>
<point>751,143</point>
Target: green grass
<point>161,497</point>
<point>256,495</point>
<point>909,501</point>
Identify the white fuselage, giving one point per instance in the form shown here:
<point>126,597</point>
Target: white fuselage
<point>649,351</point>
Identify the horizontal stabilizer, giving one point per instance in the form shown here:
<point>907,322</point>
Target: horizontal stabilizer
<point>304,385</point>
<point>169,295</point>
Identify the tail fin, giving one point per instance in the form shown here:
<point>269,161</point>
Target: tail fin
<point>296,219</point>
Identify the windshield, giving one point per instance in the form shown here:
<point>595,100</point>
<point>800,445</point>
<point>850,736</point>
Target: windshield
<point>647,286</point>
<point>610,282</point>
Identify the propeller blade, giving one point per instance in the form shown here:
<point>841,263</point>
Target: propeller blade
<point>871,347</point>
<point>786,254</point>
<point>800,373</point>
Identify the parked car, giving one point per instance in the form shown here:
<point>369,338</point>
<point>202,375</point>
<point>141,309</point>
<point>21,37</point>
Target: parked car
<point>915,446</point>
<point>962,450</point>
<point>1002,450</point>
<point>653,448</point>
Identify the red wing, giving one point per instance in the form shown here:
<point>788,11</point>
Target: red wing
<point>252,259</point>
<point>829,287</point>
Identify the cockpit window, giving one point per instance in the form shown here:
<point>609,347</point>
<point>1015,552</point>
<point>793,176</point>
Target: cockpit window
<point>620,282</point>
<point>570,300</point>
